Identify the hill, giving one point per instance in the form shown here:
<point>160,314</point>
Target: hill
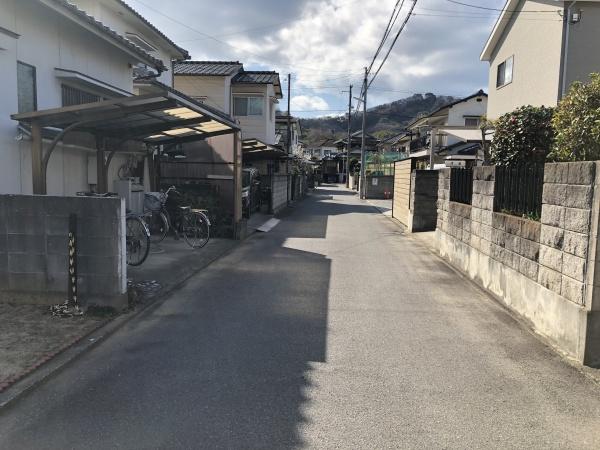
<point>382,121</point>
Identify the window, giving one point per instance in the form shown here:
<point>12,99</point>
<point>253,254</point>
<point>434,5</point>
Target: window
<point>73,96</point>
<point>472,122</point>
<point>26,87</point>
<point>505,73</point>
<point>248,106</point>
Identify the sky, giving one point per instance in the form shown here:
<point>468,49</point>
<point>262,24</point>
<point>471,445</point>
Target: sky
<point>325,44</point>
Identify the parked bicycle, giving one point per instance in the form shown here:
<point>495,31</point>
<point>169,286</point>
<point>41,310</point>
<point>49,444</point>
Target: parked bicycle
<point>164,213</point>
<point>137,239</point>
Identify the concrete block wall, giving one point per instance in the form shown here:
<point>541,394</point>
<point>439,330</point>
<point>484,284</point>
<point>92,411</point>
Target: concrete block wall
<point>423,200</point>
<point>33,249</point>
<point>566,228</point>
<point>544,270</point>
<point>280,192</point>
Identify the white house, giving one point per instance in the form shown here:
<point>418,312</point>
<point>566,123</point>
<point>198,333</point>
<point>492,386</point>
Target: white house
<point>535,57</point>
<point>55,53</point>
<point>449,132</point>
<point>251,97</point>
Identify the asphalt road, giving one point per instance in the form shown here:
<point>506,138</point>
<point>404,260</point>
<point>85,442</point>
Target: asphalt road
<point>334,330</point>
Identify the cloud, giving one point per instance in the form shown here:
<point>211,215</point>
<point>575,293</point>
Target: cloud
<point>325,44</point>
<point>308,103</point>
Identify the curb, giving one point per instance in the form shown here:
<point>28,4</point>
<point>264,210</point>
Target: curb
<point>52,363</point>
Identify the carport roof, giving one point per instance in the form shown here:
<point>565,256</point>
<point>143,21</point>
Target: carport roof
<point>253,149</point>
<point>159,118</point>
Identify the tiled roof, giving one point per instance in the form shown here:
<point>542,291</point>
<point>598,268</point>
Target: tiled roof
<point>215,68</point>
<point>183,51</point>
<point>257,77</point>
<point>157,63</point>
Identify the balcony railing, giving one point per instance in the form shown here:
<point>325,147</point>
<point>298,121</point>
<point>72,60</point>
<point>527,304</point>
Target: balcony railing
<point>419,144</point>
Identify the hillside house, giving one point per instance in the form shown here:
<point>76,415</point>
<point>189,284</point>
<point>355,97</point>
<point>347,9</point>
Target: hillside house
<point>448,134</point>
<point>535,62</point>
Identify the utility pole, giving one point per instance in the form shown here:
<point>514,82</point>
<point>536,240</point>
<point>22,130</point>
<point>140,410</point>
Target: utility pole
<point>362,181</point>
<point>349,146</point>
<point>289,134</point>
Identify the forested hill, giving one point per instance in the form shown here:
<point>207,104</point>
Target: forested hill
<point>382,120</point>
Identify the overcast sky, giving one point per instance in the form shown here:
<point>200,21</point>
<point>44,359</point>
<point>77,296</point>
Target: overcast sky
<point>325,44</point>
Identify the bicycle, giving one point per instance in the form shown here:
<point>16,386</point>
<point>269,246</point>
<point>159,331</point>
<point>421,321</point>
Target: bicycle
<point>137,239</point>
<point>164,215</point>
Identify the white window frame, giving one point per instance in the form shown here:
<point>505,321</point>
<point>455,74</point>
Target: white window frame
<point>506,68</point>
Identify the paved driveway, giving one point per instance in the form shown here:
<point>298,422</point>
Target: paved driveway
<point>333,330</point>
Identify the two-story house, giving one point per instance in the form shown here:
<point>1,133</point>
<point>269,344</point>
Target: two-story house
<point>449,133</point>
<point>56,54</point>
<point>281,134</point>
<point>535,56</point>
<point>251,97</point>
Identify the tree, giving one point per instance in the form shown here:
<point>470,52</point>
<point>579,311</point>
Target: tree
<point>577,123</point>
<point>523,136</point>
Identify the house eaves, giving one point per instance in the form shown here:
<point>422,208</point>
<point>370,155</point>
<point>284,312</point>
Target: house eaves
<point>90,23</point>
<point>510,7</point>
<point>183,53</point>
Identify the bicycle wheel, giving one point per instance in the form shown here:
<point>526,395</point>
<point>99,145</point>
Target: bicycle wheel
<point>196,229</point>
<point>158,225</point>
<point>137,241</point>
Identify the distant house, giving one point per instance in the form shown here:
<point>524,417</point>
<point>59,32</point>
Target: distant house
<point>251,97</point>
<point>535,60</point>
<point>448,132</point>
<point>56,54</point>
<point>323,149</point>
<point>281,134</point>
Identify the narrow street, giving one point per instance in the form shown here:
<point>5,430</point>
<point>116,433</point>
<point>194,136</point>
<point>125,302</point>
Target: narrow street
<point>334,330</point>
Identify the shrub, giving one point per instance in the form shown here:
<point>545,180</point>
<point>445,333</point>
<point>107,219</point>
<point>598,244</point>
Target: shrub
<point>522,136</point>
<point>577,123</point>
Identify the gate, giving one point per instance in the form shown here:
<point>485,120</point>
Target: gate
<point>400,208</point>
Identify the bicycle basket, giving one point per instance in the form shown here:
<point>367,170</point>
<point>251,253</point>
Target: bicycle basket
<point>153,201</point>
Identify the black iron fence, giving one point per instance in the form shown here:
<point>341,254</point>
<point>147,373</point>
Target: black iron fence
<point>461,185</point>
<point>519,190</point>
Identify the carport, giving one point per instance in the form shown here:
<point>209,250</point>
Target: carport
<point>165,117</point>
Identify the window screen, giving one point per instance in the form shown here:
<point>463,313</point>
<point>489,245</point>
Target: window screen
<point>26,87</point>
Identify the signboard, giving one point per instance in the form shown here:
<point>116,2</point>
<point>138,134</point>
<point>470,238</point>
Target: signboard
<point>375,181</point>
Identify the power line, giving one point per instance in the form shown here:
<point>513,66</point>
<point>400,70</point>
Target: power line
<point>388,30</point>
<point>468,5</point>
<point>394,41</point>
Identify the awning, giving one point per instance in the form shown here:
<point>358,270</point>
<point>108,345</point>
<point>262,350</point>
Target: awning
<point>462,150</point>
<point>465,134</point>
<point>160,118</point>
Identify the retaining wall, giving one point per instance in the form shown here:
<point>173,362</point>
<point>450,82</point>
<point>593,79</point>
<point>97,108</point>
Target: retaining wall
<point>33,249</point>
<point>543,270</point>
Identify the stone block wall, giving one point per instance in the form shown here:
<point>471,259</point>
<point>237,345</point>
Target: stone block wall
<point>33,249</point>
<point>566,228</point>
<point>544,270</point>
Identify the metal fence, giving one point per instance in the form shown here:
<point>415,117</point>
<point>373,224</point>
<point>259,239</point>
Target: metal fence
<point>461,185</point>
<point>519,190</point>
